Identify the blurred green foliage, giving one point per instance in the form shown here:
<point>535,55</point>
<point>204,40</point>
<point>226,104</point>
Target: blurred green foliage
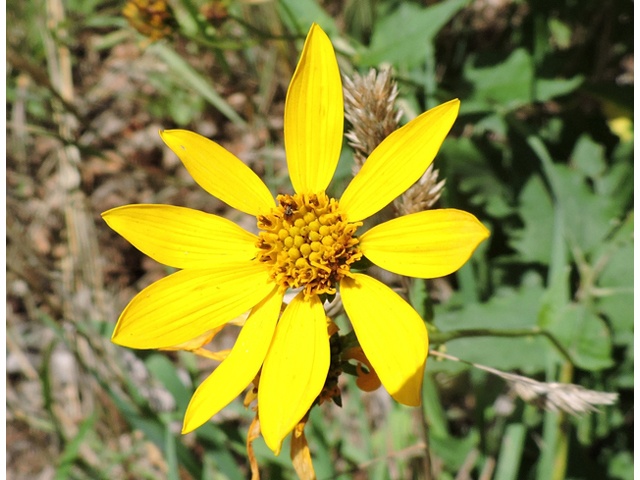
<point>541,153</point>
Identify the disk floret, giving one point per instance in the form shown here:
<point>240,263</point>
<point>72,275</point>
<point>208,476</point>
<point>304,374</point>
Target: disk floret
<point>308,242</point>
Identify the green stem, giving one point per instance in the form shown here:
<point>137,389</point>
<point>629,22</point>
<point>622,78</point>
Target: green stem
<point>444,337</point>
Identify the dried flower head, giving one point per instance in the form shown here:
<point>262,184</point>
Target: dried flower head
<point>553,396</point>
<point>152,18</point>
<point>369,103</point>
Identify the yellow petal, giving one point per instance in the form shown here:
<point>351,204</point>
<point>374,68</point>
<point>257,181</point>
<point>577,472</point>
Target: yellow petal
<point>398,162</point>
<point>220,172</point>
<point>391,333</point>
<point>198,342</point>
<point>295,369</point>
<point>427,244</point>
<point>188,303</point>
<point>182,237</point>
<point>241,366</point>
<point>314,116</point>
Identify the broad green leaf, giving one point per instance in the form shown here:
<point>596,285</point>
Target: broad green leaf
<point>588,217</point>
<point>304,13</point>
<point>401,36</point>
<point>621,466</point>
<point>509,310</point>
<point>616,289</point>
<point>463,163</point>
<point>588,157</point>
<point>533,241</point>
<point>546,88</point>
<point>560,32</point>
<point>433,410</point>
<point>617,184</point>
<point>505,86</point>
<point>585,336</point>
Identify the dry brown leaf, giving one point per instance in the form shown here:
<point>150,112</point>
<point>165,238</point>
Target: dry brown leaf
<point>300,454</point>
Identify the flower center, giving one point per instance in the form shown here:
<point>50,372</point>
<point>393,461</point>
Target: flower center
<point>308,243</point>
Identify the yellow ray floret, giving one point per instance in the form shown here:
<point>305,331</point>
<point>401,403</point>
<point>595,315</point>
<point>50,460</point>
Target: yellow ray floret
<point>295,368</point>
<point>314,116</point>
<point>427,244</point>
<point>391,333</point>
<point>240,367</point>
<point>186,304</point>
<point>181,237</point>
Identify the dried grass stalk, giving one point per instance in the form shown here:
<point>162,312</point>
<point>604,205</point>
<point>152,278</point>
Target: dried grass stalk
<point>554,396</point>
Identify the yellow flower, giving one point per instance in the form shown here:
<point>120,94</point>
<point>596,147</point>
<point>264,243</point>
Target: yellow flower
<point>307,240</point>
<point>152,18</point>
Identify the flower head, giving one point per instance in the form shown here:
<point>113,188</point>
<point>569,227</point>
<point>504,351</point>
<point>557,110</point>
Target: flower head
<point>306,240</point>
<point>152,18</point>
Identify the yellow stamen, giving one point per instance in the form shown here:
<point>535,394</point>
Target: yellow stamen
<point>308,243</point>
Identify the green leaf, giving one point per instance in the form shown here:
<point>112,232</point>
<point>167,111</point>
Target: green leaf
<point>621,466</point>
<point>511,452</point>
<point>560,32</point>
<point>588,157</point>
<point>420,300</point>
<point>170,455</point>
<point>164,370</point>
<point>505,86</point>
<point>433,411</point>
<point>192,78</point>
<point>617,185</point>
<point>546,88</point>
<point>304,13</point>
<point>585,336</point>
<point>401,36</point>
<point>588,217</point>
<point>71,450</point>
<point>453,451</point>
<point>533,241</point>
<point>465,164</point>
<point>616,283</point>
<point>508,310</point>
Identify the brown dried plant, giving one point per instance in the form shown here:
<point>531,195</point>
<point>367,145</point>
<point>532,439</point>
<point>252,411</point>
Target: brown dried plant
<point>553,396</point>
<point>369,103</point>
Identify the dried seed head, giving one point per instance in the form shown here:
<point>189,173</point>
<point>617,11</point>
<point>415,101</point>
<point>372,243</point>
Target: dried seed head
<point>565,397</point>
<point>422,195</point>
<point>369,104</point>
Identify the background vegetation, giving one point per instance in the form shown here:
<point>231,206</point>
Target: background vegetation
<point>541,153</point>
